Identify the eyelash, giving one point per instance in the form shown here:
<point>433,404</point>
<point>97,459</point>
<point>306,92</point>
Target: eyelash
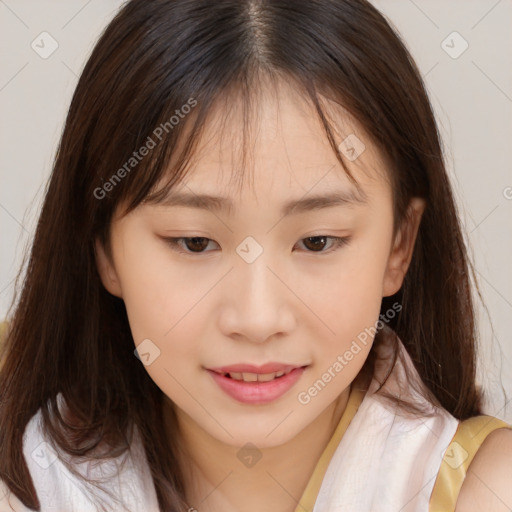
<point>338,242</point>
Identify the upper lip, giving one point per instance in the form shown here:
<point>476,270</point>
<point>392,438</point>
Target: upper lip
<point>250,368</point>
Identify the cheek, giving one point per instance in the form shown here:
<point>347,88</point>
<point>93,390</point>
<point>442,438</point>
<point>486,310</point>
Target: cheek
<point>160,296</point>
<point>163,302</point>
<point>358,277</point>
<point>350,297</point>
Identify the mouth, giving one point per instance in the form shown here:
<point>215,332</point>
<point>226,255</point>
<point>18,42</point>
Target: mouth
<point>256,385</point>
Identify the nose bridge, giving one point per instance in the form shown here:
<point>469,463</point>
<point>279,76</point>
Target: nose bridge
<point>258,281</point>
<point>259,304</point>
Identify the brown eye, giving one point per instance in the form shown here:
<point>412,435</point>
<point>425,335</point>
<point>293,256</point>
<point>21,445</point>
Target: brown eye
<point>190,245</point>
<point>196,244</point>
<point>318,243</point>
<point>315,243</point>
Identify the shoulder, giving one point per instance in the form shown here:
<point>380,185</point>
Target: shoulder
<point>59,478</point>
<point>123,480</point>
<point>487,483</point>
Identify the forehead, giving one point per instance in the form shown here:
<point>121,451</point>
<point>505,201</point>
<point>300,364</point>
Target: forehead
<point>277,148</point>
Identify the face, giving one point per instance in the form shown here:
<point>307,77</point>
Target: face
<point>259,281</point>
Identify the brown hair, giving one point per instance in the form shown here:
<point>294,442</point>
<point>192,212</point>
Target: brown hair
<point>153,58</point>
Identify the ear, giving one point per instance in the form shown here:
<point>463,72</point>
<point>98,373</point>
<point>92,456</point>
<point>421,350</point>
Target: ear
<point>107,271</point>
<point>403,247</point>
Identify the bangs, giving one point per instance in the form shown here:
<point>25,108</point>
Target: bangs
<point>174,157</point>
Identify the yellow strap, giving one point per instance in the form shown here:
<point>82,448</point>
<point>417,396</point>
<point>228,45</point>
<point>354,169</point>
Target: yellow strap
<point>310,494</point>
<point>469,436</point>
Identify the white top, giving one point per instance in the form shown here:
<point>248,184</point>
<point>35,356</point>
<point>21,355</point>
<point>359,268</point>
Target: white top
<point>61,491</point>
<point>385,462</point>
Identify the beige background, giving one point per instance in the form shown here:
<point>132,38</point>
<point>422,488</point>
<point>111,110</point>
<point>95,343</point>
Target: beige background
<point>472,96</point>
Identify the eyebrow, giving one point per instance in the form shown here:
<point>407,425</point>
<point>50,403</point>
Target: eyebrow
<point>346,198</point>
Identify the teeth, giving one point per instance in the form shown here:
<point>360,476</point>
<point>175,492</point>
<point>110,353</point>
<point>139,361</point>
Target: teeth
<point>266,377</point>
<point>256,377</point>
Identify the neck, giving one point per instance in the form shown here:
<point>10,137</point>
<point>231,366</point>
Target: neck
<point>216,480</point>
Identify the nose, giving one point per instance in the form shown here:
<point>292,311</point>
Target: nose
<point>258,305</point>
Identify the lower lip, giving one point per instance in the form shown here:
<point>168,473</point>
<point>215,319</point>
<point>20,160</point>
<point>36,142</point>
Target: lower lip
<point>257,392</point>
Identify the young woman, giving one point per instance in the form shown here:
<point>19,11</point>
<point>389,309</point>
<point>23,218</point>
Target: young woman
<point>248,289</point>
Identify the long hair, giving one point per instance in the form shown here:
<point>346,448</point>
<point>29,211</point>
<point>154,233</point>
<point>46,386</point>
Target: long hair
<point>68,335</point>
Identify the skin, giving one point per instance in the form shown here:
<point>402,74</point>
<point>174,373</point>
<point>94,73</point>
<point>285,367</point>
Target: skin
<point>487,483</point>
<point>291,305</point>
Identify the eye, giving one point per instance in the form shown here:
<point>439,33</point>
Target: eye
<point>198,244</point>
<point>317,243</point>
<point>195,244</point>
